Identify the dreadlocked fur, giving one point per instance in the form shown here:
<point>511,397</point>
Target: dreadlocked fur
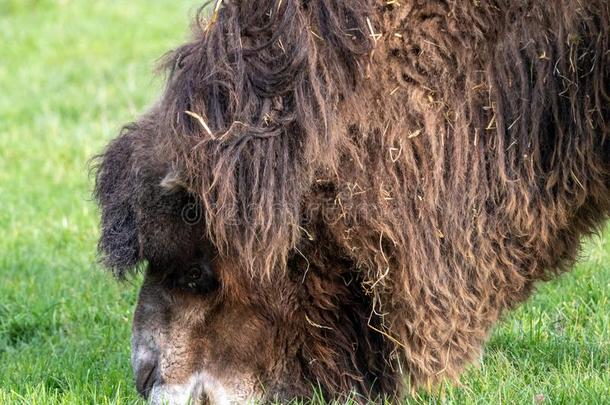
<point>451,153</point>
<point>252,105</point>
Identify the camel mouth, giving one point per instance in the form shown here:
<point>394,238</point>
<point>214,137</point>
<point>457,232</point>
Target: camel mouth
<point>178,394</point>
<point>146,380</point>
<point>199,389</point>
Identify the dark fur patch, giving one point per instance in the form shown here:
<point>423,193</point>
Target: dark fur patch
<point>114,191</point>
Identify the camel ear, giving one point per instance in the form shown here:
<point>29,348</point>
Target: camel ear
<point>115,194</point>
<point>173,182</point>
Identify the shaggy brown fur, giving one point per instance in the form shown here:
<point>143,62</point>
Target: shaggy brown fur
<point>442,155</point>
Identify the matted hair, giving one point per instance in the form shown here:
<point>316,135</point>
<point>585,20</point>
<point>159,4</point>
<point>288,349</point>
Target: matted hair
<point>251,106</point>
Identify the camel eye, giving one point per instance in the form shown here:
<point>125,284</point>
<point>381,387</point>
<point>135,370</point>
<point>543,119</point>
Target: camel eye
<point>193,276</point>
<point>198,278</point>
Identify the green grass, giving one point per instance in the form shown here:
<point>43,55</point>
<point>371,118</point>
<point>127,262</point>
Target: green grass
<point>72,71</point>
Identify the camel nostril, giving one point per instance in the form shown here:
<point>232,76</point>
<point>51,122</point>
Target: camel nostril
<point>201,395</point>
<point>146,377</point>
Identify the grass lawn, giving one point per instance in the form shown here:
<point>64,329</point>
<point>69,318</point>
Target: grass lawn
<point>71,72</point>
